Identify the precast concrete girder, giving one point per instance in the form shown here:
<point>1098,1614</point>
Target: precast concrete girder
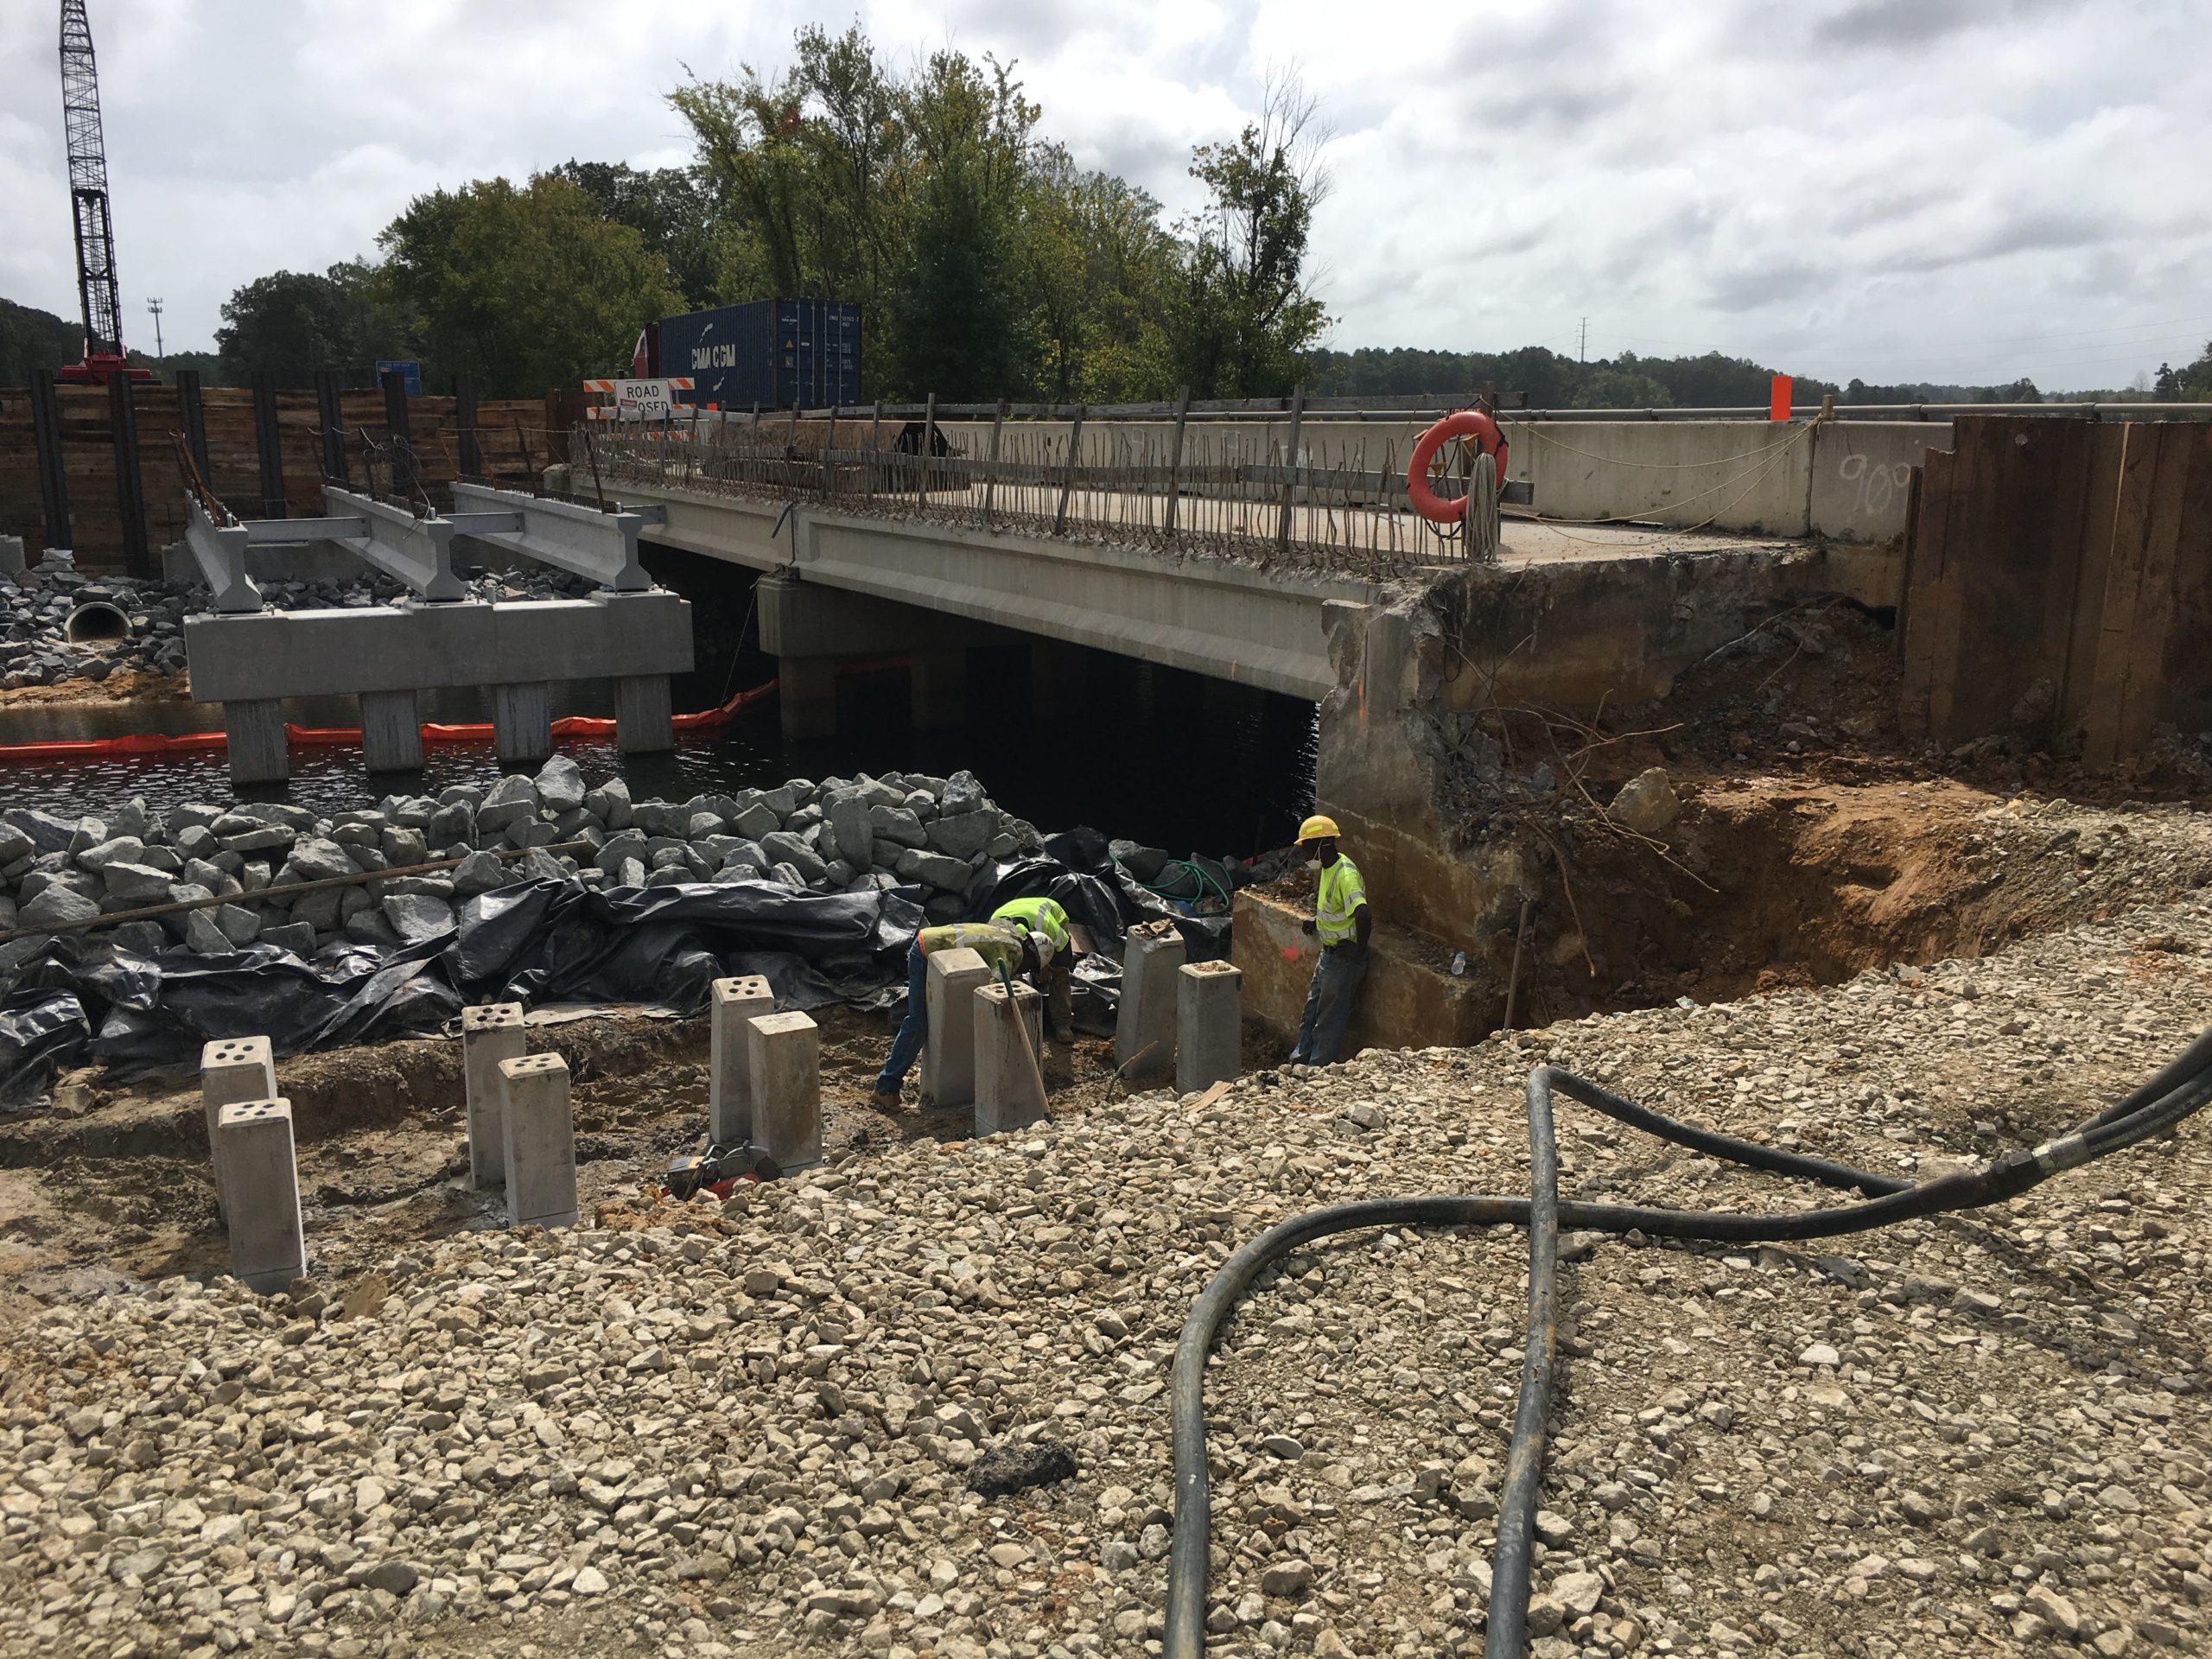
<point>416,551</point>
<point>603,547</point>
<point>219,552</point>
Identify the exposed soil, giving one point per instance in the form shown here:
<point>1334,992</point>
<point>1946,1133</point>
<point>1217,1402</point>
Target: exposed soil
<point>111,1180</point>
<point>122,688</point>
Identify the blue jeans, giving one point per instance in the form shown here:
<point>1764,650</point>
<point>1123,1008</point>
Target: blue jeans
<point>914,1029</point>
<point>1328,1009</point>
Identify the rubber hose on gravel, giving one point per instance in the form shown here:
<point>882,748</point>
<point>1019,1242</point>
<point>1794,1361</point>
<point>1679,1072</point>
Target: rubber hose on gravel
<point>2180,1088</point>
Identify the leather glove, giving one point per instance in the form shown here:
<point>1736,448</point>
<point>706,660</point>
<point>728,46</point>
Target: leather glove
<point>1309,927</point>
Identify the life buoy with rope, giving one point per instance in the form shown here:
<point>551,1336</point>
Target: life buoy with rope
<point>1461,423</point>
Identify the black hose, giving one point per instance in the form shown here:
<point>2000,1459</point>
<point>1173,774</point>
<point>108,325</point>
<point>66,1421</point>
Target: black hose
<point>2180,1088</point>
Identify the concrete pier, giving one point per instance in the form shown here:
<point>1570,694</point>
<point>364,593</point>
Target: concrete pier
<point>948,1056</point>
<point>729,1081</point>
<point>541,1142</point>
<point>644,714</point>
<point>392,732</point>
<point>938,685</point>
<point>1208,1025</point>
<point>1008,1092</point>
<point>255,1163</point>
<point>522,721</point>
<point>783,1057</point>
<point>490,1035</point>
<point>806,696</point>
<point>233,1069</point>
<point>256,745</point>
<point>1144,1025</point>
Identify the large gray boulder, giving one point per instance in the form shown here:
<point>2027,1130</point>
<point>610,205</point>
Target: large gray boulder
<point>513,799</point>
<point>417,916</point>
<point>56,904</point>
<point>964,834</point>
<point>48,832</point>
<point>298,937</point>
<point>962,793</point>
<point>240,926</point>
<point>478,872</point>
<point>116,850</point>
<point>561,784</point>
<point>318,859</point>
<point>847,833</point>
<point>371,926</point>
<point>935,870</point>
<point>137,884</point>
<point>610,803</point>
<point>784,847</point>
<point>895,824</point>
<point>203,935</point>
<point>757,821</point>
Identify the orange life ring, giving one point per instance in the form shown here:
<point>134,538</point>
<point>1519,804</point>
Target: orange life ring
<point>1461,423</point>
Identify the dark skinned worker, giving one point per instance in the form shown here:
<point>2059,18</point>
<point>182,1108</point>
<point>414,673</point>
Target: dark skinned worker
<point>1046,924</point>
<point>1343,922</point>
<point>1009,949</point>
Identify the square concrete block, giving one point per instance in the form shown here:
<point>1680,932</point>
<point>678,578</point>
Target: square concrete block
<point>1144,1025</point>
<point>1009,1094</point>
<point>783,1053</point>
<point>489,1034</point>
<point>948,1056</point>
<point>541,1142</point>
<point>233,1069</point>
<point>1209,1024</point>
<point>729,1084</point>
<point>255,1165</point>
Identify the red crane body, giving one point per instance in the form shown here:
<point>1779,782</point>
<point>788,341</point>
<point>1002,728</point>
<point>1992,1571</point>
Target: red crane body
<point>97,290</point>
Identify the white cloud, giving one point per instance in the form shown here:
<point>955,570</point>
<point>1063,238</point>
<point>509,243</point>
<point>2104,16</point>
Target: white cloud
<point>1972,190</point>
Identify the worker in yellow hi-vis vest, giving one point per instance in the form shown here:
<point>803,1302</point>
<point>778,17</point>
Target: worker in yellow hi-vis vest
<point>1343,923</point>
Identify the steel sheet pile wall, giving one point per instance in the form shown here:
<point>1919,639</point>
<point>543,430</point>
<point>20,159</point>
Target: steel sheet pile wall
<point>2058,586</point>
<point>507,430</point>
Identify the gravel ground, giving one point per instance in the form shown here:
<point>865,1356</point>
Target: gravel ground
<point>751,1429</point>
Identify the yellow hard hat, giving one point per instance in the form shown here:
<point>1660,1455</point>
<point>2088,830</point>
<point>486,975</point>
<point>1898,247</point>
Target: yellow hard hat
<point>1316,828</point>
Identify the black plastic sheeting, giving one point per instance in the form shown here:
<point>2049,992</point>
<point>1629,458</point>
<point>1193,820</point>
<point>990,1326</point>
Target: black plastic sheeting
<point>538,942</point>
<point>82,999</point>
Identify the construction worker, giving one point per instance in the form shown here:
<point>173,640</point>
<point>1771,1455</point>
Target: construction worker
<point>1004,949</point>
<point>1343,922</point>
<point>1045,923</point>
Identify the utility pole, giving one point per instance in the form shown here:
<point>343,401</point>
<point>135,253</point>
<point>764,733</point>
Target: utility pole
<point>1582,342</point>
<point>155,306</point>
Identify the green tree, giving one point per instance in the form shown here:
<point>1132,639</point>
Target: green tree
<point>671,207</point>
<point>1243,316</point>
<point>1097,265</point>
<point>1620,385</point>
<point>292,323</point>
<point>522,289</point>
<point>31,339</point>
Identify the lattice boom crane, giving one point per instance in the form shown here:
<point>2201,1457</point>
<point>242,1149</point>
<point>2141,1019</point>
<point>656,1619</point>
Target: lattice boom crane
<point>96,285</point>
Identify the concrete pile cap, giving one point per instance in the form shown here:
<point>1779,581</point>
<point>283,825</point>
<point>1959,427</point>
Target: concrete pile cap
<point>998,994</point>
<point>253,1111</point>
<point>1201,969</point>
<point>531,1064</point>
<point>491,1016</point>
<point>773,1024</point>
<point>234,1050</point>
<point>743,987</point>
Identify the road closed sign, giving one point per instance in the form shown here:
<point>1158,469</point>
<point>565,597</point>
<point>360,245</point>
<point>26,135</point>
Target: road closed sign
<point>643,400</point>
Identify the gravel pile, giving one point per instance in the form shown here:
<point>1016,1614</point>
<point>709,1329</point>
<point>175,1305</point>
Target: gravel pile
<point>35,649</point>
<point>757,1427</point>
<point>834,835</point>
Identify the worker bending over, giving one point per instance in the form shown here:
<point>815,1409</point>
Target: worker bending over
<point>1005,951</point>
<point>1343,922</point>
<point>1044,921</point>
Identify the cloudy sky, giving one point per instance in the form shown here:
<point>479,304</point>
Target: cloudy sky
<point>1965,190</point>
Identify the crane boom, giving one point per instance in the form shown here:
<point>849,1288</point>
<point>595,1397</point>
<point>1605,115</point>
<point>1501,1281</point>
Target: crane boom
<point>97,289</point>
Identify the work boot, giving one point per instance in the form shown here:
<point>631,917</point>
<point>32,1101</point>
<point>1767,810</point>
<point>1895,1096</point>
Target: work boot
<point>886,1101</point>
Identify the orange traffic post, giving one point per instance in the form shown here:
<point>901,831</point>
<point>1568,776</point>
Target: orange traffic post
<point>1778,406</point>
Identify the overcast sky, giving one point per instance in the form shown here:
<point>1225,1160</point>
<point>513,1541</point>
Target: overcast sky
<point>1965,190</point>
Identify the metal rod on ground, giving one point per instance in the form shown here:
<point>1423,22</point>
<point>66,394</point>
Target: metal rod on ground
<point>1290,475</point>
<point>1067,481</point>
<point>1175,460</point>
<point>1021,1025</point>
<point>928,454</point>
<point>991,479</point>
<point>1513,978</point>
<point>149,912</point>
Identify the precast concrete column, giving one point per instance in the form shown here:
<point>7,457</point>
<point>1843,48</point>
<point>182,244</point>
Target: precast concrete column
<point>1208,1025</point>
<point>939,685</point>
<point>948,1056</point>
<point>644,714</point>
<point>522,721</point>
<point>255,1163</point>
<point>784,1055</point>
<point>806,696</point>
<point>540,1137</point>
<point>729,1082</point>
<point>1009,1092</point>
<point>1144,1025</point>
<point>392,732</point>
<point>253,728</point>
<point>491,1034</point>
<point>233,1069</point>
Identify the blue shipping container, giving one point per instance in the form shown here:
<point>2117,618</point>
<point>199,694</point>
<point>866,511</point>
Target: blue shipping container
<point>773,353</point>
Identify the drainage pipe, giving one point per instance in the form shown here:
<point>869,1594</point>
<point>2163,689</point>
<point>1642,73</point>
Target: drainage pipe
<point>95,623</point>
<point>2179,1090</point>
